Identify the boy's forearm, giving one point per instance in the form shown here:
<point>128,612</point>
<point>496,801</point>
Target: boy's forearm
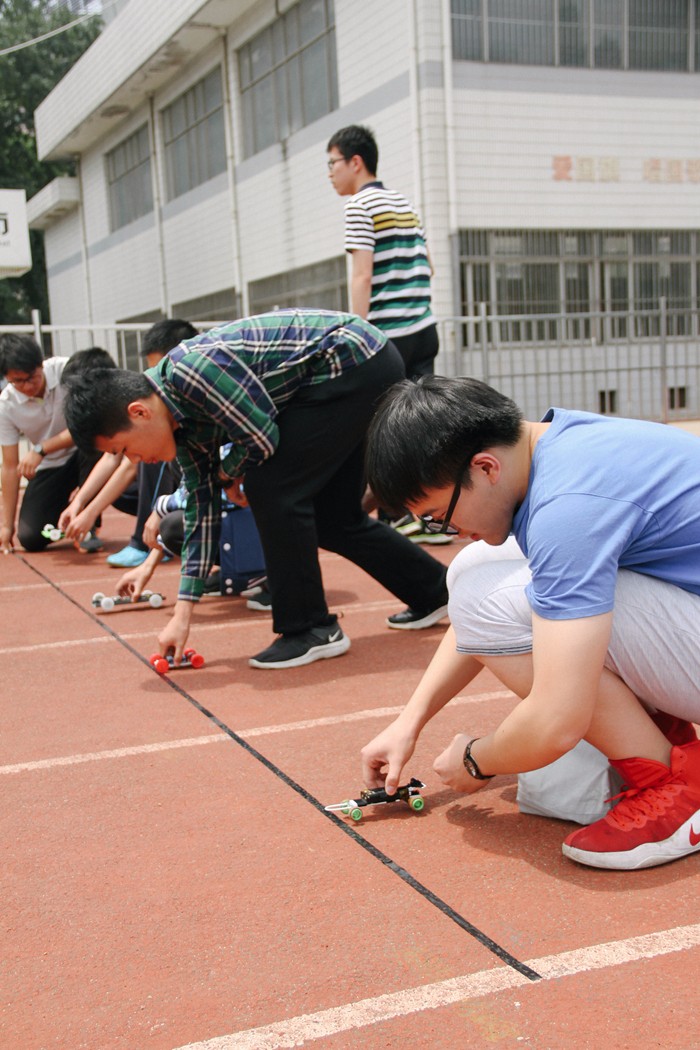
<point>113,489</point>
<point>446,675</point>
<point>10,495</point>
<point>97,479</point>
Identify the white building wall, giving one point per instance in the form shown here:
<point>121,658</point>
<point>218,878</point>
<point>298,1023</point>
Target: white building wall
<point>473,149</point>
<point>66,273</point>
<point>512,123</point>
<point>198,244</point>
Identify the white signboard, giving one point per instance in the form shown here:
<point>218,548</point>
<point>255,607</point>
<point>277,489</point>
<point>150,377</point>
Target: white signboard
<point>15,252</point>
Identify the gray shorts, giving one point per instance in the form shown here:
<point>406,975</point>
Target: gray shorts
<point>655,641</point>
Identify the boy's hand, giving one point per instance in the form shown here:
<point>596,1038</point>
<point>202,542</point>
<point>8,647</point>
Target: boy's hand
<point>174,635</point>
<point>449,766</point>
<point>392,749</point>
<point>6,537</point>
<point>132,583</point>
<point>81,524</point>
<point>26,468</point>
<point>151,529</point>
<point>233,487</point>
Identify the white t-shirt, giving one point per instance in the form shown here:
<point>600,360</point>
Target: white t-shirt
<point>37,418</point>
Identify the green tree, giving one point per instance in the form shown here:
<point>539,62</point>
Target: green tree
<point>26,77</point>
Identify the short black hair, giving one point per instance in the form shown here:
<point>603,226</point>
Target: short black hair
<point>425,433</point>
<point>96,403</point>
<point>19,353</point>
<point>356,140</point>
<point>85,360</point>
<point>164,335</point>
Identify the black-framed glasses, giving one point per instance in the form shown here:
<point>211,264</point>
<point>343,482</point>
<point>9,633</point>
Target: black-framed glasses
<point>443,525</point>
<point>333,161</point>
<point>25,380</point>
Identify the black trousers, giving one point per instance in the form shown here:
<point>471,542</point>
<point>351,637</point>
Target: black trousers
<point>418,351</point>
<point>308,495</point>
<point>153,480</point>
<point>47,495</point>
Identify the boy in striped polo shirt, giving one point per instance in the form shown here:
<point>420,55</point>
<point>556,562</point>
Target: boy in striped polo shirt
<point>391,268</point>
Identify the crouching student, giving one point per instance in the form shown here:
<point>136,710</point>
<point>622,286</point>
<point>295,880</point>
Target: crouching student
<point>594,652</point>
<point>294,392</point>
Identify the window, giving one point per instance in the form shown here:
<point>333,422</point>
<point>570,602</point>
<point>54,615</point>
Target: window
<point>129,179</point>
<point>288,74</point>
<point>677,397</point>
<point>194,137</point>
<point>224,305</point>
<point>607,402</point>
<point>624,275</point>
<point>606,34</point>
<point>321,286</point>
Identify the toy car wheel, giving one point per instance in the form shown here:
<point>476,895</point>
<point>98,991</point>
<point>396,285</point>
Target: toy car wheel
<point>56,534</point>
<point>417,804</point>
<point>155,600</point>
<point>345,810</point>
<point>107,604</point>
<point>97,597</point>
<point>356,813</point>
<point>196,660</point>
<point>159,664</point>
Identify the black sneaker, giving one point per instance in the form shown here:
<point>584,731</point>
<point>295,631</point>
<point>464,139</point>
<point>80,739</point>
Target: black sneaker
<point>92,544</point>
<point>413,620</point>
<point>212,584</point>
<point>260,602</point>
<point>295,650</point>
<point>254,586</point>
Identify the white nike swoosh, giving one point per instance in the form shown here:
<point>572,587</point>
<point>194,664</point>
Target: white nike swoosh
<point>335,637</point>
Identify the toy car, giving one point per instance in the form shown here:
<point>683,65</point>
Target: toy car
<point>409,793</point>
<point>106,604</point>
<point>163,664</point>
<point>50,532</point>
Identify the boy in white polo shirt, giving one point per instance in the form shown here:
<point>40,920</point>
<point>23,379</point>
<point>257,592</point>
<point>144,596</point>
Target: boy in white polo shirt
<point>31,405</point>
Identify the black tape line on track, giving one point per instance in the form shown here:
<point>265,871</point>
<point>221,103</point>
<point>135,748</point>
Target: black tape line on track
<point>383,858</point>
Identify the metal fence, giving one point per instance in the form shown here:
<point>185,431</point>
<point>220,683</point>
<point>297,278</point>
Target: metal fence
<point>644,364</point>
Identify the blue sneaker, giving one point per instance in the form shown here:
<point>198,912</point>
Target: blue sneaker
<point>127,558</point>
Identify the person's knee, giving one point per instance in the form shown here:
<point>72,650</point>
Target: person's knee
<point>489,609</point>
<point>172,531</point>
<point>31,541</point>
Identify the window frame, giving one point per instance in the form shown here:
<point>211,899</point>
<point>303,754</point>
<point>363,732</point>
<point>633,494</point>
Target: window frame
<point>125,188</point>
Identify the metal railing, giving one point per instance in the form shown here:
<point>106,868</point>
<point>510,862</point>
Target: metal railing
<point>641,363</point>
<point>644,364</point>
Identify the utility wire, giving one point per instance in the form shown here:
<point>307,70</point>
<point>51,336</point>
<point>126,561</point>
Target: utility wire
<point>53,32</point>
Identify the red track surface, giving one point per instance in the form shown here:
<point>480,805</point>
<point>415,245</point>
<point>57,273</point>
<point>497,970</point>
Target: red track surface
<point>170,879</point>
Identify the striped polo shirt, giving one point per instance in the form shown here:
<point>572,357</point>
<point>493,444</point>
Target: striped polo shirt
<point>386,223</point>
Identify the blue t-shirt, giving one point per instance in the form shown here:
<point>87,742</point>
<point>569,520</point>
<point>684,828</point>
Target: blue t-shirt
<point>607,494</point>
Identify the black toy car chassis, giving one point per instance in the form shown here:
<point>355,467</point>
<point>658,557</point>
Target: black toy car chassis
<point>409,793</point>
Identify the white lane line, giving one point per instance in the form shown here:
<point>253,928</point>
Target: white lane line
<point>247,620</point>
<point>247,734</point>
<point>119,752</point>
<point>306,1028</point>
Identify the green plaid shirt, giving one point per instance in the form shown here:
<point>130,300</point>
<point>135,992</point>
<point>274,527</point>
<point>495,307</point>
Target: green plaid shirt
<point>229,385</point>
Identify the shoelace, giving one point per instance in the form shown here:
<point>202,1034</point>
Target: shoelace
<point>639,805</point>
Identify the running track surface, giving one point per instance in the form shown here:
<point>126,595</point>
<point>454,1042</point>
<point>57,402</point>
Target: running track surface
<point>170,879</point>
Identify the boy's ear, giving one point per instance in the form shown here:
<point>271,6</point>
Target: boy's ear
<point>138,410</point>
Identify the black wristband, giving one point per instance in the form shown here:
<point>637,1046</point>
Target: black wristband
<point>470,763</point>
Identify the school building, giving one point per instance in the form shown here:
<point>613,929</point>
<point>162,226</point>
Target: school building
<point>552,148</point>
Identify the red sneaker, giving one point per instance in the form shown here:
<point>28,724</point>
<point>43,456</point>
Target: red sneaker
<point>656,821</point>
<point>677,730</point>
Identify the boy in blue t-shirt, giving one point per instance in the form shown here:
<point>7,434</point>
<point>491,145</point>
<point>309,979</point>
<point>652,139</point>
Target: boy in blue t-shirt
<point>598,635</point>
